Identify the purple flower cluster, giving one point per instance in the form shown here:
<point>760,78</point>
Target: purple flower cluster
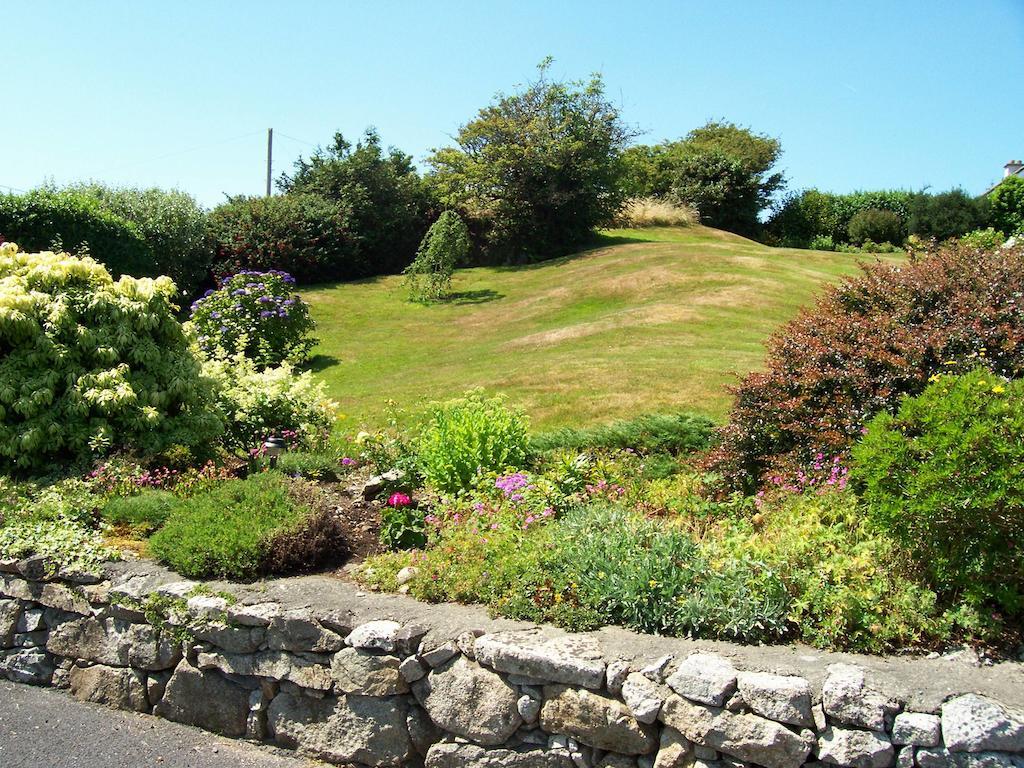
<point>259,307</point>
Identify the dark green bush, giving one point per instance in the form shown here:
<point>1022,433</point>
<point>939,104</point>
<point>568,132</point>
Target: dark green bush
<point>535,172</point>
<point>235,530</point>
<point>1007,206</point>
<point>47,219</point>
<point>142,514</point>
<point>306,235</point>
<point>876,226</point>
<point>724,192</point>
<point>805,215</point>
<point>674,433</point>
<point>386,202</point>
<point>945,477</point>
<point>945,215</point>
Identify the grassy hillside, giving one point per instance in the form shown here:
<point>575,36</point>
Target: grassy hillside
<point>649,320</point>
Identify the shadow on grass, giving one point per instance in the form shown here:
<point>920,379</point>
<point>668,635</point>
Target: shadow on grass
<point>321,362</point>
<point>474,297</point>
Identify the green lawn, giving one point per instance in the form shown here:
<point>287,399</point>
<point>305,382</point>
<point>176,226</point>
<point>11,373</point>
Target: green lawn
<point>650,320</point>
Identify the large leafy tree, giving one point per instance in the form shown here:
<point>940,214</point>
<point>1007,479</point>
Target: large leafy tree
<point>1007,201</point>
<point>535,172</point>
<point>385,200</point>
<point>724,170</point>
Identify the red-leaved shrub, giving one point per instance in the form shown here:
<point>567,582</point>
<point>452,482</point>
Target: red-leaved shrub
<point>865,344</point>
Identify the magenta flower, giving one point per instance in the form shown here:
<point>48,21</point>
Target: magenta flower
<point>399,500</point>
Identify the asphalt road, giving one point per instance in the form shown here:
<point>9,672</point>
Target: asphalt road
<point>44,728</point>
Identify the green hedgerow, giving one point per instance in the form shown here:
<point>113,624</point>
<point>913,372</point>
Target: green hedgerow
<point>944,476</point>
<point>471,434</point>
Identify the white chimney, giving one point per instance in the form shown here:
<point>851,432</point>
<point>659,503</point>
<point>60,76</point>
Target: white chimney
<point>1012,168</point>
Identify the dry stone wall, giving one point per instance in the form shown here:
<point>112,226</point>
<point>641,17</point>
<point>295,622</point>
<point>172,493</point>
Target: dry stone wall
<point>389,693</point>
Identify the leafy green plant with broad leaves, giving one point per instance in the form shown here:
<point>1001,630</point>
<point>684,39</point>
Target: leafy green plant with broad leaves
<point>465,436</point>
<point>91,365</point>
<point>944,476</point>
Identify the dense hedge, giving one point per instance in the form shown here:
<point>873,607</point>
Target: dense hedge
<point>307,236</point>
<point>43,219</point>
<point>812,213</point>
<point>867,343</point>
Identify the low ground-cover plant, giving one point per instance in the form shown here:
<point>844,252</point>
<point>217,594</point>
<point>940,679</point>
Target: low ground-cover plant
<point>468,435</point>
<point>91,365</point>
<point>243,529</point>
<point>865,345</point>
<point>674,433</point>
<point>140,515</point>
<point>256,314</point>
<point>54,520</point>
<point>944,476</point>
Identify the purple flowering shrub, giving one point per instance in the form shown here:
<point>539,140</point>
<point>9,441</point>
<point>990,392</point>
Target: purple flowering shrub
<point>255,313</point>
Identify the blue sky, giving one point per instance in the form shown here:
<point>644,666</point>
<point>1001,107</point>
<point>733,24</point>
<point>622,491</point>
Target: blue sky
<point>862,94</point>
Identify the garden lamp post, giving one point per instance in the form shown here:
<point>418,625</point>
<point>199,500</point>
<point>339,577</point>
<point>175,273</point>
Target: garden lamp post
<point>274,447</point>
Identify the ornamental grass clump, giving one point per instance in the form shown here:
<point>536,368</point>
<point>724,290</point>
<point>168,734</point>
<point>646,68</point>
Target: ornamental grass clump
<point>257,314</point>
<point>89,365</point>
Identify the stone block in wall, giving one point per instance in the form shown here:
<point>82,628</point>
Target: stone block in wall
<point>275,665</point>
<point>27,665</point>
<point>853,748</point>
<point>423,733</point>
<point>785,698</point>
<point>570,659</point>
<point>345,729</point>
<point>747,737</point>
<point>114,643</point>
<point>206,700</point>
<point>470,701</point>
<point>64,598</point>
<point>595,720</point>
<point>644,697</point>
<point>14,587</point>
<point>31,620</point>
<point>231,639</point>
<point>118,687</point>
<point>674,749</point>
<point>916,729</point>
<point>942,758</point>
<point>156,684</point>
<point>10,613</point>
<point>298,631</point>
<point>706,678</point>
<point>367,674</point>
<point>973,723</point>
<point>453,755</point>
<point>253,615</point>
<point>848,700</point>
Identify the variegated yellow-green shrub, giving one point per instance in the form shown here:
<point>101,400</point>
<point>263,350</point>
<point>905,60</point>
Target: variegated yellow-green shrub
<point>89,365</point>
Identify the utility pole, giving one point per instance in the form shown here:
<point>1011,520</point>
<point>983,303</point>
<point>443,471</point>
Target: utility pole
<point>270,156</point>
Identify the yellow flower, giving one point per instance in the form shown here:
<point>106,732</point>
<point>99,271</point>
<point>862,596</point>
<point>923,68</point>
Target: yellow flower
<point>934,377</point>
<point>998,389</point>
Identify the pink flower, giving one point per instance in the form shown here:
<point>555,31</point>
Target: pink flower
<point>399,500</point>
<point>348,461</point>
